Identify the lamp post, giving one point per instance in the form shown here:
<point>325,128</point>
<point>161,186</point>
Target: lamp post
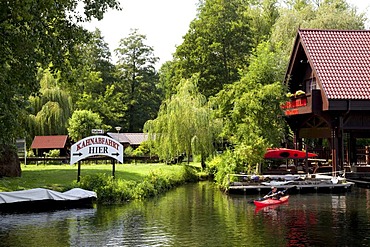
<point>118,129</point>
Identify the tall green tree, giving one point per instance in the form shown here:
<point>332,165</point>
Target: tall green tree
<point>250,108</point>
<point>167,79</point>
<point>34,34</point>
<point>138,79</point>
<point>216,46</point>
<point>263,15</point>
<point>91,72</point>
<point>184,124</point>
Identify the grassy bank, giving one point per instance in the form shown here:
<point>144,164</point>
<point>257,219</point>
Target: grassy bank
<point>132,181</point>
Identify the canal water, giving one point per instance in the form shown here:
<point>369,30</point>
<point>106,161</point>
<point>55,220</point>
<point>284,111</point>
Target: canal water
<point>200,215</point>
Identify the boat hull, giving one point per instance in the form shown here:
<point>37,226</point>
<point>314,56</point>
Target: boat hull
<point>286,153</point>
<point>38,200</point>
<point>271,201</point>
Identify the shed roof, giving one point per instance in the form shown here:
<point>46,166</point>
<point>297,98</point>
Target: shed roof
<point>49,142</point>
<point>136,138</point>
<point>131,138</point>
<point>341,60</point>
<point>120,137</point>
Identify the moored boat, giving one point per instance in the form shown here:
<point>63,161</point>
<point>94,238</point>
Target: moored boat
<point>271,201</point>
<point>39,199</point>
<point>286,153</point>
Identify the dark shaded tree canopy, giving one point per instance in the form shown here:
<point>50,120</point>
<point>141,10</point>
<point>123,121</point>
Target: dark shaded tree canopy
<point>34,34</point>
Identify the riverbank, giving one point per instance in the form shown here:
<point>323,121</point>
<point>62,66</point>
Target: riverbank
<point>131,181</point>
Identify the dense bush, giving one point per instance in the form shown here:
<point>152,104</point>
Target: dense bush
<point>52,153</point>
<point>227,163</point>
<point>110,190</point>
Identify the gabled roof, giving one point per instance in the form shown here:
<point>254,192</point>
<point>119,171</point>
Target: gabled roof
<point>136,138</point>
<point>341,61</point>
<point>131,138</point>
<point>49,142</point>
<point>120,137</point>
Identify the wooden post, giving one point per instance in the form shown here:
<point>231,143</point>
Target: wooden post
<point>334,149</point>
<point>306,159</point>
<point>353,150</point>
<point>367,155</point>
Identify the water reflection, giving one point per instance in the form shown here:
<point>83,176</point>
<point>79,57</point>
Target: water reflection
<point>43,229</point>
<point>200,215</point>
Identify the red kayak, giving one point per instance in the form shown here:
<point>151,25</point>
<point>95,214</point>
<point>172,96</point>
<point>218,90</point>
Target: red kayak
<point>286,153</point>
<point>271,201</point>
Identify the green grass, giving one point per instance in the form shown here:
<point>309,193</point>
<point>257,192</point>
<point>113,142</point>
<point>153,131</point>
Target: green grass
<point>61,177</point>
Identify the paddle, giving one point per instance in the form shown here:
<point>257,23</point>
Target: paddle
<point>272,195</point>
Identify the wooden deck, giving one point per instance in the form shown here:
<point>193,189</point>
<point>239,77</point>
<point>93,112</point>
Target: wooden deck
<point>294,184</point>
<point>299,188</point>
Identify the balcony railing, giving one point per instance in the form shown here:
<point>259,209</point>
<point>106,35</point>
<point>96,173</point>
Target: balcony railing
<point>295,102</point>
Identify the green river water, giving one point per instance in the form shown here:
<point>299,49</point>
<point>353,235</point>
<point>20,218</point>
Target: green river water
<point>200,215</point>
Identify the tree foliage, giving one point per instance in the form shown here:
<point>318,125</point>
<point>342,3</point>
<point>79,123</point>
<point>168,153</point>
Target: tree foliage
<point>91,72</point>
<point>319,14</point>
<point>250,108</point>
<point>138,79</point>
<point>82,122</point>
<point>34,34</point>
<point>50,109</point>
<point>216,46</point>
<point>263,15</point>
<point>184,124</point>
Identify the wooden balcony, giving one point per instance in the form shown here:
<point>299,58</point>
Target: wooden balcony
<point>303,104</point>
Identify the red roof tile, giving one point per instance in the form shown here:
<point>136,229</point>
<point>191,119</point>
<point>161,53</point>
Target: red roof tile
<point>49,142</point>
<point>341,59</point>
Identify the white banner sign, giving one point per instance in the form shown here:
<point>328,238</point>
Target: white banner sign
<point>96,145</point>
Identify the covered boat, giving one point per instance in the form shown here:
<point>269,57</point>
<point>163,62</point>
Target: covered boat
<point>271,201</point>
<point>286,153</point>
<point>40,199</point>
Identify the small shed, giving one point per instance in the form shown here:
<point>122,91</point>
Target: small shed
<point>43,144</point>
<point>129,139</point>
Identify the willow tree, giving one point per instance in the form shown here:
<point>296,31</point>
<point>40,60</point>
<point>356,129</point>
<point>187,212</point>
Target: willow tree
<point>50,109</point>
<point>319,14</point>
<point>184,124</point>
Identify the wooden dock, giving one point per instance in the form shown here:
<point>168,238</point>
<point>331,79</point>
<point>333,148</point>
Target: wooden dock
<point>293,188</point>
<point>360,183</point>
<point>294,184</point>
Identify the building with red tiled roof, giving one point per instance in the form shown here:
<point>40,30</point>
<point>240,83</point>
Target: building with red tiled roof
<point>329,81</point>
<point>43,144</point>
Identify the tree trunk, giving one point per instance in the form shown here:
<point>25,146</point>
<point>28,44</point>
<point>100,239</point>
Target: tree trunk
<point>203,163</point>
<point>10,165</point>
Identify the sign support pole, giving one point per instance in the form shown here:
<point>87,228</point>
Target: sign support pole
<point>114,167</point>
<point>79,171</point>
<point>96,146</point>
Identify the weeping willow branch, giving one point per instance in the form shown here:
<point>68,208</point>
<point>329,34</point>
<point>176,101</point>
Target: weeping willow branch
<point>183,125</point>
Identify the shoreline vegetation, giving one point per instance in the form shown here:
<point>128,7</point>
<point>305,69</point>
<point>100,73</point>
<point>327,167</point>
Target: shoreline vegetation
<point>131,181</point>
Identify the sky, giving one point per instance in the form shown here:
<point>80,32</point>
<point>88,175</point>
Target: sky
<point>164,22</point>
